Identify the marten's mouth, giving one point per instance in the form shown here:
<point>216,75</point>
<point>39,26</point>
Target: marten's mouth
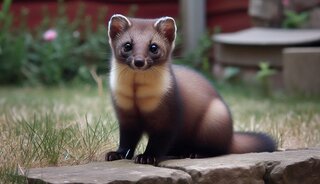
<point>140,68</point>
<point>139,65</point>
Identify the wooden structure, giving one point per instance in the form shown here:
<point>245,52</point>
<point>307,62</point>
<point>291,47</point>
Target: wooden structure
<point>228,15</point>
<point>194,16</point>
<point>140,8</point>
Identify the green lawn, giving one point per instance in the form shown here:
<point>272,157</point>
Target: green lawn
<point>72,125</point>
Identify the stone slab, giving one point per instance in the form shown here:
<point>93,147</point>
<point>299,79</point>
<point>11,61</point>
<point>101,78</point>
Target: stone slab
<point>248,55</point>
<point>269,36</point>
<point>249,47</point>
<point>116,172</point>
<point>301,68</point>
<point>287,167</point>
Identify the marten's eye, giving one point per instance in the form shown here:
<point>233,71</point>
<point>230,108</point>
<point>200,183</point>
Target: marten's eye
<point>153,48</point>
<point>127,47</point>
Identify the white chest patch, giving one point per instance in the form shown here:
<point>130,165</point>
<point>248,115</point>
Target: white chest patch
<point>141,89</point>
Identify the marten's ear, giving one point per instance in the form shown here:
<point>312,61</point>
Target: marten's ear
<point>117,24</point>
<point>167,27</point>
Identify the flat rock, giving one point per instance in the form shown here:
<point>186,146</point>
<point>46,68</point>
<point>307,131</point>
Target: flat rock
<point>287,167</point>
<point>116,172</point>
<point>269,36</point>
<point>294,167</point>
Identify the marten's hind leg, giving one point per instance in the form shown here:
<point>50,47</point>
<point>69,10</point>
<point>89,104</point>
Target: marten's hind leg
<point>215,131</point>
<point>212,137</point>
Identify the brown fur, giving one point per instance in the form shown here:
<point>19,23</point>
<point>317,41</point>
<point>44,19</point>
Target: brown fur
<point>179,109</point>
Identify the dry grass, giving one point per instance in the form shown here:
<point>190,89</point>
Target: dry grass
<point>65,126</point>
<point>294,121</point>
<point>51,127</point>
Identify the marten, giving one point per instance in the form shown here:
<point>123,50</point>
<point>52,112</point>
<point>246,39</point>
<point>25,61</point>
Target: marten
<point>179,110</point>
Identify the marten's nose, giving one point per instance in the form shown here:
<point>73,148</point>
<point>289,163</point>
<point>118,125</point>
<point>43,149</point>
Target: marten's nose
<point>139,62</point>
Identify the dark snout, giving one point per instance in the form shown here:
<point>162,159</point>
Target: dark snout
<point>139,63</point>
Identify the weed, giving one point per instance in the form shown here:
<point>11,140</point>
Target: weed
<point>294,19</point>
<point>263,76</point>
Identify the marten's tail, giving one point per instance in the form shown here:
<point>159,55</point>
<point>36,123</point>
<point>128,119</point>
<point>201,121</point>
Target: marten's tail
<point>246,142</point>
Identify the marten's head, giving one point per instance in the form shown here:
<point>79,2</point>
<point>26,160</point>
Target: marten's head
<point>141,43</point>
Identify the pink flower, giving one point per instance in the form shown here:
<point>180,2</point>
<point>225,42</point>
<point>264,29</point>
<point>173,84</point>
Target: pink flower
<point>50,35</point>
<point>286,2</point>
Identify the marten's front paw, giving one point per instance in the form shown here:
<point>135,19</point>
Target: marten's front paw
<point>196,155</point>
<point>113,155</point>
<point>146,159</point>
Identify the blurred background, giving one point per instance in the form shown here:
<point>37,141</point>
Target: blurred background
<point>57,42</point>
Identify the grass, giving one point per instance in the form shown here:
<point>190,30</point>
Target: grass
<point>52,127</point>
<point>294,121</point>
<point>67,126</point>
